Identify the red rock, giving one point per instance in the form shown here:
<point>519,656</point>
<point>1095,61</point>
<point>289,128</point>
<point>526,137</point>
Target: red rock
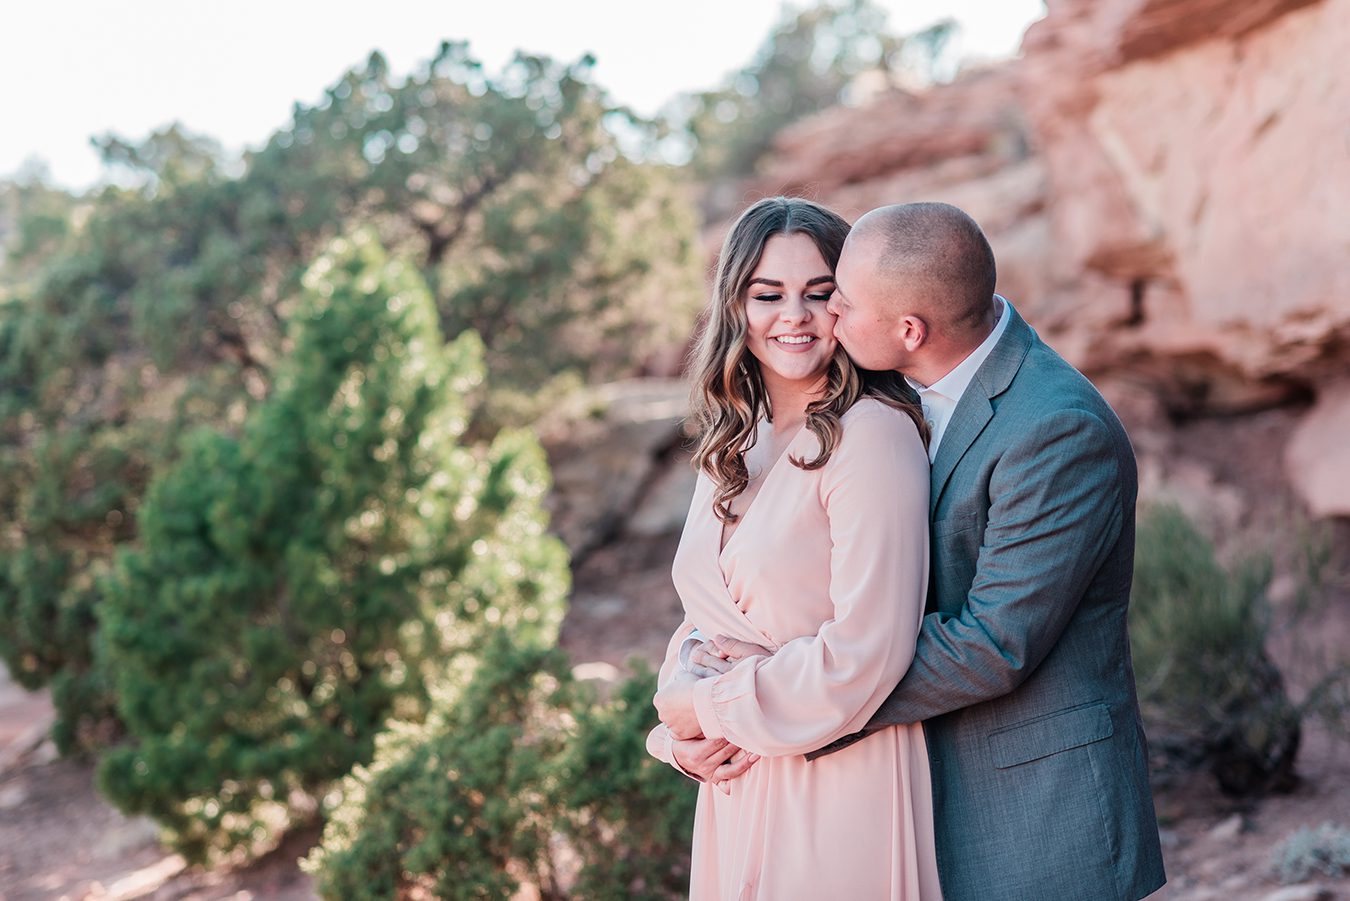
<point>1317,458</point>
<point>1166,184</point>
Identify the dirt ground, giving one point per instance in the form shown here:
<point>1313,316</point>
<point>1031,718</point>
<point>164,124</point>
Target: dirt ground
<point>60,840</point>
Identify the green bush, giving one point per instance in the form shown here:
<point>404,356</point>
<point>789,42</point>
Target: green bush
<point>463,805</point>
<point>1210,695</point>
<point>295,587</point>
<point>132,315</point>
<point>630,816</point>
<point>1322,851</point>
<point>520,777</point>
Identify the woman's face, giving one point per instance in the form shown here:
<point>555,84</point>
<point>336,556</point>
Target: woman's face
<point>791,333</point>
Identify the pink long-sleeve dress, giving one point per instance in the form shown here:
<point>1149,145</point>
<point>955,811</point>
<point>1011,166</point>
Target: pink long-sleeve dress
<point>829,569</point>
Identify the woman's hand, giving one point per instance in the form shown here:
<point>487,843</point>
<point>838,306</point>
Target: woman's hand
<point>675,705</point>
<point>733,650</point>
<point>703,661</point>
<point>714,760</point>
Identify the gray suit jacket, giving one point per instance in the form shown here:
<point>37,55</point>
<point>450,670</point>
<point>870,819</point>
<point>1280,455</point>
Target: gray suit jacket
<point>1022,676</point>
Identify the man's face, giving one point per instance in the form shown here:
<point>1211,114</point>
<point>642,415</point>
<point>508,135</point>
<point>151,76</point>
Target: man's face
<point>866,325</point>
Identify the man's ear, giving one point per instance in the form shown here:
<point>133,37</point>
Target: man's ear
<point>913,332</point>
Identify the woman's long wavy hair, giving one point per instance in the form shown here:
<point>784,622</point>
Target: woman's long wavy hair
<point>729,398</point>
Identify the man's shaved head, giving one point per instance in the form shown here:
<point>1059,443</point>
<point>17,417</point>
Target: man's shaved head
<point>939,255</point>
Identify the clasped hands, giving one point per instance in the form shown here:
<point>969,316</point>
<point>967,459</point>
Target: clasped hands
<point>715,760</point>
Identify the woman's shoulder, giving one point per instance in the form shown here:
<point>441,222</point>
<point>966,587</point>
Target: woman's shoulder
<point>868,408</point>
<point>870,421</point>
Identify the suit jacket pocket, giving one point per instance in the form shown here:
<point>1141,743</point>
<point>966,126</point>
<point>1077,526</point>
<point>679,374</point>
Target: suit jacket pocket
<point>1046,735</point>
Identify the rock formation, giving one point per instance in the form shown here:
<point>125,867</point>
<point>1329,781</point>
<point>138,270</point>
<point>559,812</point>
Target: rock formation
<point>1166,184</point>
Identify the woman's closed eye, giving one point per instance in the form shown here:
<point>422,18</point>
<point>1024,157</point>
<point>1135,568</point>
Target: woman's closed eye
<point>772,297</point>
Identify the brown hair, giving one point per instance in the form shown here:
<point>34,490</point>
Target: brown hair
<point>729,397</point>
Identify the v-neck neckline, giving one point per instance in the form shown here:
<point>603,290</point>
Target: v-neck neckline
<point>723,540</point>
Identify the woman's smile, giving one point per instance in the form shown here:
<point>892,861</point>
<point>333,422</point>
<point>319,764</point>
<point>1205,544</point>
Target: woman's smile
<point>788,328</point>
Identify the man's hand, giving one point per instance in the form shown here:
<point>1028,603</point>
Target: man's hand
<point>733,650</point>
<point>714,760</point>
<point>675,706</point>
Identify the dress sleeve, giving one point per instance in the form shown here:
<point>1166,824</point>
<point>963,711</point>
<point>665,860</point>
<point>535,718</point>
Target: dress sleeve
<point>818,687</point>
<point>659,739</point>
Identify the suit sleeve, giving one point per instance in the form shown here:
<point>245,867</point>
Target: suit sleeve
<point>818,687</point>
<point>1055,513</point>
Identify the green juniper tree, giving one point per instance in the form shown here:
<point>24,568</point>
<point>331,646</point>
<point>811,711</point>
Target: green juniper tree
<point>463,805</point>
<point>292,587</point>
<point>515,762</point>
<point>1208,690</point>
<point>159,305</point>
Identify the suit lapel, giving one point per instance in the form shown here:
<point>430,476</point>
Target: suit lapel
<point>975,408</point>
<point>971,415</point>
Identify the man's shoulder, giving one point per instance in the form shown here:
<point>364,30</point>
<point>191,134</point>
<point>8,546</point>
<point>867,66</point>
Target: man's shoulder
<point>1048,382</point>
<point>1048,397</point>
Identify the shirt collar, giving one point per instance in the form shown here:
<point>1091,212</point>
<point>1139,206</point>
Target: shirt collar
<point>954,384</point>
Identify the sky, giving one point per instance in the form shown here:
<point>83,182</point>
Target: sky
<point>72,69</point>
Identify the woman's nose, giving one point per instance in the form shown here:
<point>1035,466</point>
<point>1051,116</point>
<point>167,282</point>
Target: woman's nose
<point>795,309</point>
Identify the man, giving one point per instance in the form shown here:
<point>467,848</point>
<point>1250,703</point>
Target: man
<point>1022,675</point>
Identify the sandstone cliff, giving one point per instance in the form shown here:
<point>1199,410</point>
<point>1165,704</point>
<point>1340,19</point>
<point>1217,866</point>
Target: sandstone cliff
<point>1166,184</point>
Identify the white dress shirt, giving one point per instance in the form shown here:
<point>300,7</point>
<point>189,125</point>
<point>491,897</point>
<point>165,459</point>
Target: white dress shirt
<point>939,399</point>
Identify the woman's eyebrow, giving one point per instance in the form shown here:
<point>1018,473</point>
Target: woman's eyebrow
<point>774,283</point>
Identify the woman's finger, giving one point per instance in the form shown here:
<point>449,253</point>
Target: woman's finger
<point>714,749</point>
<point>734,767</point>
<point>735,649</point>
<point>708,666</point>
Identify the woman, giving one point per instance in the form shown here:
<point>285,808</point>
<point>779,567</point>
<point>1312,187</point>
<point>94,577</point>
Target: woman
<point>808,535</point>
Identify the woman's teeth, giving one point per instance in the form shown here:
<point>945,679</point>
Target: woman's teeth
<point>795,339</point>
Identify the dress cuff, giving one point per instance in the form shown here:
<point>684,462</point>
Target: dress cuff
<point>670,754</point>
<point>660,744</point>
<point>687,648</point>
<point>704,710</point>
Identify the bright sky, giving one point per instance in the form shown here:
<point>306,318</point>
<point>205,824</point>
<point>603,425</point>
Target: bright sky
<point>70,69</point>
